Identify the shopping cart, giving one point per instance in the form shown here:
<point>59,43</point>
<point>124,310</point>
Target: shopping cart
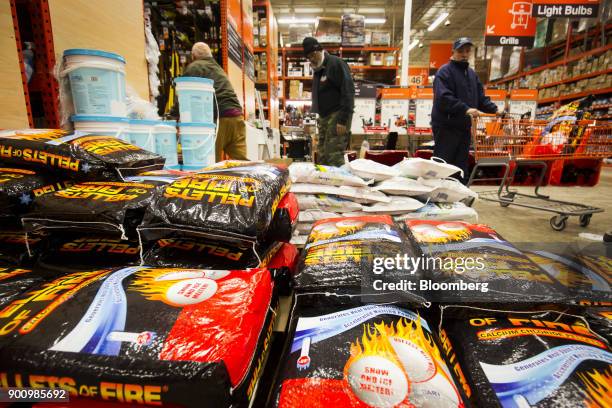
<point>511,142</point>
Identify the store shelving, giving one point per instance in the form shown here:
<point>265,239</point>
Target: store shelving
<point>263,9</point>
<point>575,95</point>
<point>577,78</point>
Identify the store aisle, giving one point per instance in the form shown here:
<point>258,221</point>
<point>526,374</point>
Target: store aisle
<point>516,223</point>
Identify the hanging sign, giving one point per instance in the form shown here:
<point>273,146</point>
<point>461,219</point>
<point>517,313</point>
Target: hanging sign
<point>418,75</point>
<point>524,102</point>
<point>424,105</point>
<point>439,53</point>
<point>510,23</point>
<point>498,97</point>
<point>365,108</point>
<point>394,106</point>
<point>565,8</point>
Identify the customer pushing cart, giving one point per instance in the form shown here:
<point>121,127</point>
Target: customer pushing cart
<point>511,142</point>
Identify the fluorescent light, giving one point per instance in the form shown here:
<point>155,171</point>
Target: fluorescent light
<point>348,10</point>
<point>293,20</point>
<point>370,10</point>
<point>413,44</point>
<point>308,10</point>
<point>375,20</point>
<point>437,21</point>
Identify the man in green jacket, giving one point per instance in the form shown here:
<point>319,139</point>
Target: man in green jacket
<point>231,137</point>
<point>333,98</point>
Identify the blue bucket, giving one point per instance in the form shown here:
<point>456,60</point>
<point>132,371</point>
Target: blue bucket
<point>103,125</point>
<point>196,99</point>
<point>198,145</point>
<point>165,143</point>
<point>97,82</point>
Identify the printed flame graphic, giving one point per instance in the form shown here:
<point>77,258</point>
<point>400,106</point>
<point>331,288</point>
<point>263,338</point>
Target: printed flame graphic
<point>440,234</point>
<point>154,284</point>
<point>329,230</point>
<point>598,387</point>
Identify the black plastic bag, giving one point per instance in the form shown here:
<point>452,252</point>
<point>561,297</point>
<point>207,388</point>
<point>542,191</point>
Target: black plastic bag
<point>14,250</point>
<point>14,281</point>
<point>78,156</point>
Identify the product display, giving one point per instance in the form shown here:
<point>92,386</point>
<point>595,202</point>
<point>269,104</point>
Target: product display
<point>14,281</point>
<point>14,250</point>
<point>80,156</point>
<point>513,359</point>
<point>442,212</point>
<point>173,333</point>
<point>318,174</point>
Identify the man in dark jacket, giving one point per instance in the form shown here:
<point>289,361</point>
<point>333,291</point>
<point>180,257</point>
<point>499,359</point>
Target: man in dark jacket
<point>333,98</point>
<point>458,97</point>
<point>231,137</point>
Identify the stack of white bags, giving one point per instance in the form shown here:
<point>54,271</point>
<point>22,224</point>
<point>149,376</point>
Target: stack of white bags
<point>413,189</point>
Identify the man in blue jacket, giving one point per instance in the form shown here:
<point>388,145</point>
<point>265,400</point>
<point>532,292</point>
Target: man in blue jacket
<point>458,97</point>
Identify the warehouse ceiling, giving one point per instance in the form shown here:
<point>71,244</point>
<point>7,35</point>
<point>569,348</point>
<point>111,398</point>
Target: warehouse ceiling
<point>466,18</point>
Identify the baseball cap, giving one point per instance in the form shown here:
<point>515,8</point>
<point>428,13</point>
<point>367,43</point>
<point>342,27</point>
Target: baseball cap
<point>460,42</point>
<point>310,44</point>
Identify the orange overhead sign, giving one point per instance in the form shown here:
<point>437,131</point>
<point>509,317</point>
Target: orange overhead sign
<point>510,23</point>
<point>425,93</point>
<point>496,94</point>
<point>566,8</point>
<point>418,75</point>
<point>524,95</point>
<point>397,93</point>
<point>439,53</point>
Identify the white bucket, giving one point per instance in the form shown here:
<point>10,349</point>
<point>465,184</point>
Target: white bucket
<point>97,82</point>
<point>198,144</point>
<point>166,144</point>
<point>196,99</point>
<point>142,133</point>
<point>103,125</point>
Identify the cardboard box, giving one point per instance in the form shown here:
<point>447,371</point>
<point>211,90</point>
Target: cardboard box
<point>376,58</point>
<point>353,30</point>
<point>380,37</point>
<point>328,30</point>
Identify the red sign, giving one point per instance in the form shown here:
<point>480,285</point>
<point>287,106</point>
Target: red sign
<point>439,53</point>
<point>418,75</point>
<point>565,8</point>
<point>496,94</point>
<point>524,94</point>
<point>510,22</point>
<point>425,93</point>
<point>398,93</point>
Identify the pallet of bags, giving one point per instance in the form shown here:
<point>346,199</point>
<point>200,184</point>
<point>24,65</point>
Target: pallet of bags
<point>536,358</point>
<point>342,353</point>
<point>472,263</point>
<point>14,281</point>
<point>142,336</point>
<point>79,156</point>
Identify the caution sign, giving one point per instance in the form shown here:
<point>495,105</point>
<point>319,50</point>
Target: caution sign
<point>510,22</point>
<point>565,8</point>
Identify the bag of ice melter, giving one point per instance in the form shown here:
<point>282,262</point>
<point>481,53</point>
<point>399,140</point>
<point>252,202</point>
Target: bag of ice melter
<point>371,170</point>
<point>403,186</point>
<point>564,131</point>
<point>143,336</point>
<point>285,219</point>
<point>472,263</point>
<point>342,255</point>
<point>319,174</point>
<point>326,202</point>
<point>19,188</point>
<point>15,280</point>
<point>14,249</point>
<point>310,216</point>
<point>283,265</point>
<point>368,356</point>
<point>78,252</point>
<point>527,359</point>
<point>397,205</point>
<point>227,204</point>
<point>581,281</point>
<point>157,176</point>
<point>435,168</point>
<point>93,206</point>
<point>362,195</point>
<point>600,319</point>
<point>442,212</point>
<point>446,190</point>
<point>78,156</point>
<point>177,251</point>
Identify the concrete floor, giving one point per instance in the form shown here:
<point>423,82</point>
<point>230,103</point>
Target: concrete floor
<point>517,224</point>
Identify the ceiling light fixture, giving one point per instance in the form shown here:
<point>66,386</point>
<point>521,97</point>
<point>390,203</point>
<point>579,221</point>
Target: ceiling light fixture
<point>293,20</point>
<point>413,44</point>
<point>375,20</point>
<point>437,21</point>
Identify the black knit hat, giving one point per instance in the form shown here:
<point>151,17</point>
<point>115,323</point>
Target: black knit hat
<point>311,44</point>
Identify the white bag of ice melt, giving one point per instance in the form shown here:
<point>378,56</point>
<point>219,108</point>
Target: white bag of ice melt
<point>315,215</point>
<point>370,170</point>
<point>398,205</point>
<point>326,203</point>
<point>303,228</point>
<point>310,188</point>
<point>402,186</point>
<point>442,212</point>
<point>318,174</point>
<point>363,195</point>
<point>448,190</point>
<point>436,168</point>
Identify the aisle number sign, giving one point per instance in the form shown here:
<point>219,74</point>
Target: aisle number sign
<point>524,102</point>
<point>418,75</point>
<point>424,105</point>
<point>394,106</point>
<point>510,23</point>
<point>566,8</point>
<point>498,97</point>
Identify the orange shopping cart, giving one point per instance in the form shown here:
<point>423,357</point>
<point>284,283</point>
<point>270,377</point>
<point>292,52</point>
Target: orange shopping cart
<point>510,142</point>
